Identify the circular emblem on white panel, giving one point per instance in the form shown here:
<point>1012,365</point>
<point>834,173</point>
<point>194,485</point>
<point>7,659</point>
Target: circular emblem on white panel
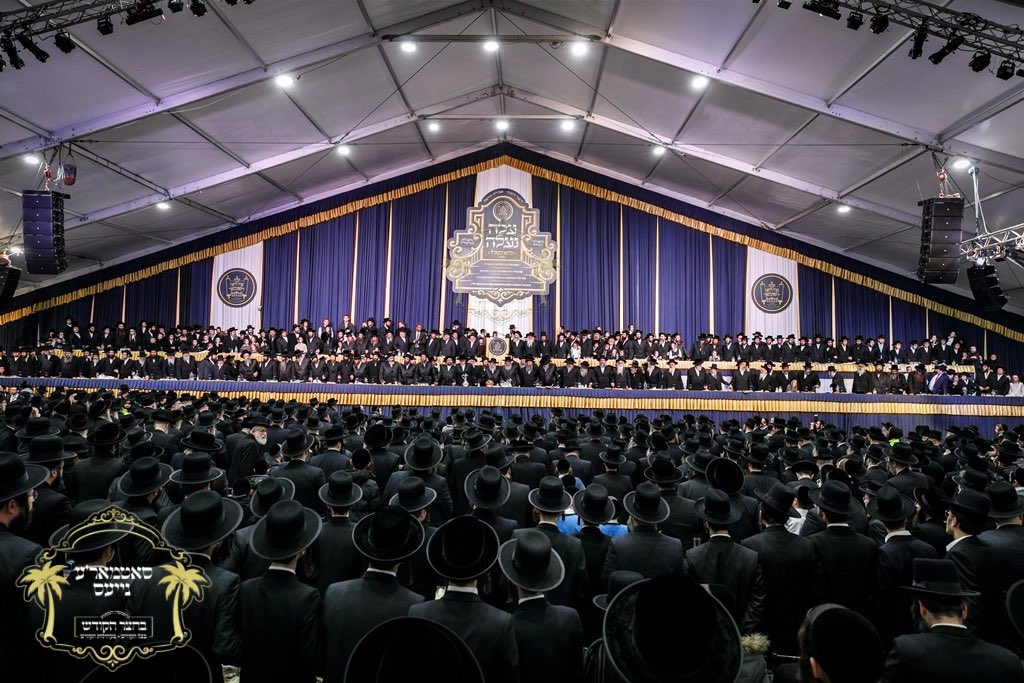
<point>236,287</point>
<point>772,293</point>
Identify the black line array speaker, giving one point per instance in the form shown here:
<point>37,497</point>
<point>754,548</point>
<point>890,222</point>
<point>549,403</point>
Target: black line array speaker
<point>43,231</point>
<point>985,286</point>
<point>941,234</point>
<point>9,278</point>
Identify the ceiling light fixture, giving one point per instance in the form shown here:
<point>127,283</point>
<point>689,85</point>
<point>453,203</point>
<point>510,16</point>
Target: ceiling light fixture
<point>699,82</point>
<point>408,45</point>
<point>434,126</point>
<point>16,250</point>
<point>104,25</point>
<point>39,53</point>
<point>823,8</point>
<point>568,125</point>
<point>953,43</point>
<point>31,158</point>
<point>1005,70</point>
<point>920,37</point>
<point>284,81</point>
<point>197,7</point>
<point>64,42</point>
<point>501,124</point>
<point>980,61</point>
<point>879,24</point>
<point>658,150</point>
<point>491,46</point>
<point>175,5</point>
<point>344,150</point>
<point>855,20</point>
<point>7,45</point>
<point>232,3</point>
<point>961,164</point>
<point>578,48</point>
<point>142,10</point>
<point>163,206</point>
<point>785,4</point>
<point>843,208</point>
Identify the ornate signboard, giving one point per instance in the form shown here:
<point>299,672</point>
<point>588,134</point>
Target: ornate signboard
<point>772,293</point>
<point>501,256</point>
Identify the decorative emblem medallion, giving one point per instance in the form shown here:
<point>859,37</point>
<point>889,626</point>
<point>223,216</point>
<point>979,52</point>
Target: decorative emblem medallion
<point>236,287</point>
<point>772,293</point>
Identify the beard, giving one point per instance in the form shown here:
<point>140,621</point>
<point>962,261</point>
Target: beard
<point>261,440</point>
<point>19,524</point>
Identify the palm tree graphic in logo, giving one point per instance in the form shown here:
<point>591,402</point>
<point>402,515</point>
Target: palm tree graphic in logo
<point>41,584</point>
<point>184,585</point>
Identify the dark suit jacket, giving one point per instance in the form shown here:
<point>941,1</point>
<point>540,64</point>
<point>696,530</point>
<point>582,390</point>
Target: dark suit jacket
<point>644,550</point>
<point>550,642</point>
<point>518,507</point>
<point>461,469</point>
<point>724,562</point>
<point>330,461</point>
<point>618,485</point>
<point>18,627</point>
<point>488,632</point>
<point>895,570</point>
<point>352,608</point>
<point>440,511</point>
<point>241,559</point>
<point>502,526</point>
<point>906,481</point>
<point>682,522</point>
<point>947,653</point>
<point>336,557</point>
<point>416,574</point>
<point>242,452</point>
<point>792,583</point>
<point>849,562</point>
<point>1006,546</point>
<point>573,590</point>
<point>307,480</point>
<point>49,513</point>
<point>91,477</point>
<point>279,618</point>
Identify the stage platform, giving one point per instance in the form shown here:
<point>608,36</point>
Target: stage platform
<point>841,409</point>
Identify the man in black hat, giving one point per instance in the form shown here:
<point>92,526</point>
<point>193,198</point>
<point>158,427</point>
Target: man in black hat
<point>462,550</point>
<point>550,500</point>
<point>91,477</point>
<point>549,637</point>
<point>279,617</point>
<point>487,490</point>
<point>385,461</point>
<point>849,560</point>
<point>240,558</point>
<point>594,508</point>
<point>334,457</point>
<point>51,507</point>
<point>696,462</point>
<point>617,484</point>
<point>723,562</point>
<point>353,607</point>
<point>947,651</point>
<point>682,522</point>
<point>1006,545</point>
<point>196,473</point>
<point>756,481</point>
<point>792,574</point>
<point>336,556</point>
<point>421,458</point>
<point>307,479</point>
<point>475,441</point>
<point>416,574</point>
<point>245,447</point>
<point>644,549</point>
<point>901,457</point>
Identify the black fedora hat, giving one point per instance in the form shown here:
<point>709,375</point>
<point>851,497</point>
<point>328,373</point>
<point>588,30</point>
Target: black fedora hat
<point>759,454</point>
<point>593,505</point>
<point>1006,502</point>
<point>100,536</point>
<point>462,549</point>
<point>646,504</point>
<point>384,654</point>
<point>834,496</point>
<point>389,535</point>
<point>662,471</point>
<point>36,427</point>
<point>106,434</point>
<point>144,476</point>
<point>779,498</point>
<point>196,468</point>
<point>529,562</point>
<point>901,453</point>
<point>716,508</point>
<point>17,477</point>
<point>889,505</point>
<point>617,580</point>
<point>704,649</point>
<point>931,501</point>
<point>145,448</point>
<point>423,454</point>
<point>47,450</point>
<point>971,502</point>
<point>202,442</point>
<point>973,479</point>
<point>613,455</point>
<point>378,436</point>
<point>413,495</point>
<point>268,492</point>
<point>550,496</point>
<point>287,529</point>
<point>204,518</point>
<point>938,577</point>
<point>725,475</point>
<point>487,489</point>
<point>700,460</point>
<point>474,439</point>
<point>296,443</point>
<point>340,490</point>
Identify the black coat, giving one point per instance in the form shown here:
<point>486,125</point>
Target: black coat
<point>644,550</point>
<point>906,481</point>
<point>307,480</point>
<point>933,532</point>
<point>416,574</point>
<point>241,559</point>
<point>573,590</point>
<point>242,453</point>
<point>21,619</point>
<point>1006,548</point>
<point>336,556</point>
<point>49,513</point>
<point>352,608</point>
<point>91,477</point>
<point>973,560</point>
<point>489,632</point>
<point>849,562</point>
<point>724,562</point>
<point>618,485</point>
<point>518,507</point>
<point>461,469</point>
<point>279,618</point>
<point>502,526</point>
<point>550,642</point>
<point>792,583</point>
<point>947,653</point>
<point>682,522</point>
<point>595,550</point>
<point>895,570</point>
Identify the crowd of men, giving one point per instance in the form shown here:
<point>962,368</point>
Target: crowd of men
<point>547,547</point>
<point>395,354</point>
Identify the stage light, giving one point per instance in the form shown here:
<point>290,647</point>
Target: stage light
<point>843,208</point>
<point>163,206</point>
<point>15,251</point>
<point>37,52</point>
<point>344,150</point>
<point>408,45</point>
<point>491,46</point>
<point>980,61</point>
<point>231,2</point>
<point>63,42</point>
<point>434,126</point>
<point>568,125</point>
<point>785,4</point>
<point>104,25</point>
<point>658,151</point>
<point>823,8</point>
<point>197,7</point>
<point>142,11</point>
<point>920,36</point>
<point>578,48</point>
<point>699,82</point>
<point>501,124</point>
<point>31,158</point>
<point>962,164</point>
<point>854,21</point>
<point>953,43</point>
<point>7,45</point>
<point>879,23</point>
<point>1005,70</point>
<point>284,81</point>
<point>175,5</point>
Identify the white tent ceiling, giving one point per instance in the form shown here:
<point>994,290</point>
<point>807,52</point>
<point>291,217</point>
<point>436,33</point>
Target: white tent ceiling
<point>801,114</point>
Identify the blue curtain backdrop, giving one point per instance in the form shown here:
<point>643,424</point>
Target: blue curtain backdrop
<point>685,281</point>
<point>325,269</point>
<point>907,322</point>
<point>371,269</point>
<point>730,259</point>
<point>107,312</point>
<point>79,311</point>
<point>1008,352</point>
<point>943,324</point>
<point>590,261</point>
<point>279,282</point>
<point>417,237</point>
<point>196,292</point>
<point>152,299</point>
<point>545,200</point>
<point>639,263</point>
<point>860,311</point>
<point>815,289</point>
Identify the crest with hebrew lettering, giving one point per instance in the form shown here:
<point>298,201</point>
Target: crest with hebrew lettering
<point>112,612</point>
<point>502,255</point>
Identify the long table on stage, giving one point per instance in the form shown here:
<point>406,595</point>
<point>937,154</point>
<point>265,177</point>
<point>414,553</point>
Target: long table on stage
<point>840,409</point>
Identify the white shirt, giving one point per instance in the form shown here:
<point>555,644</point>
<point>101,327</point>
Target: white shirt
<point>382,571</point>
<point>532,597</point>
<point>954,542</point>
<point>462,589</point>
<point>794,524</point>
<point>896,533</point>
<point>275,565</point>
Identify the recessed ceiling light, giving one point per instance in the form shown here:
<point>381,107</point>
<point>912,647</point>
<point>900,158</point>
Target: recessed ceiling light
<point>961,163</point>
<point>344,150</point>
<point>284,81</point>
<point>699,82</point>
<point>434,126</point>
<point>491,46</point>
<point>31,159</point>
<point>578,48</point>
<point>568,124</point>
<point>501,124</point>
<point>843,209</point>
<point>658,150</point>
<point>408,46</point>
<point>163,206</point>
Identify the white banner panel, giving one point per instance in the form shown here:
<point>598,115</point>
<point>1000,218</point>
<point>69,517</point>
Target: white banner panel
<point>237,288</point>
<point>481,313</point>
<point>771,305</point>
